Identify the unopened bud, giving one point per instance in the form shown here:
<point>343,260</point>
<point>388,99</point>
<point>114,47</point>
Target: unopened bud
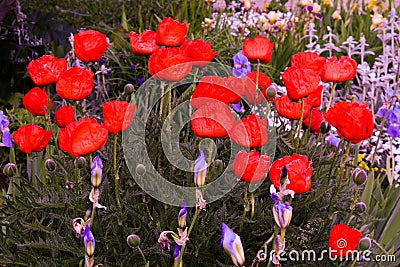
<point>97,172</point>
<point>129,88</point>
<point>271,92</point>
<point>133,240</point>
<point>360,207</point>
<point>359,176</point>
<point>140,169</point>
<point>365,243</point>
<point>324,127</point>
<point>10,169</point>
<point>80,162</point>
<point>50,165</point>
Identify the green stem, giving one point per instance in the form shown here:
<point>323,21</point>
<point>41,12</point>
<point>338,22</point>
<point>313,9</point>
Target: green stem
<point>196,215</point>
<point>116,174</point>
<point>283,231</point>
<point>142,254</point>
<point>252,201</point>
<point>353,204</point>
<point>300,123</point>
<point>331,96</point>
<point>245,205</point>
<point>339,179</point>
<point>162,98</point>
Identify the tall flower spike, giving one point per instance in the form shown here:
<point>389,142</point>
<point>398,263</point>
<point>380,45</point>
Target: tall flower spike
<point>182,216</point>
<point>200,170</point>
<point>97,171</point>
<point>233,245</point>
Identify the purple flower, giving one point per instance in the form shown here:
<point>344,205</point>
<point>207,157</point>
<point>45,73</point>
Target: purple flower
<point>238,107</point>
<point>97,171</point>
<point>282,214</point>
<point>333,140</point>
<point>394,130</point>
<point>182,216</point>
<point>6,137</point>
<point>177,252</point>
<point>88,240</point>
<point>140,81</point>
<point>233,245</point>
<point>200,170</point>
<point>241,65</point>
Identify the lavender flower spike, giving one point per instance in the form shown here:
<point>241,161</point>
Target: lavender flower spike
<point>182,216</point>
<point>97,171</point>
<point>233,245</point>
<point>200,170</point>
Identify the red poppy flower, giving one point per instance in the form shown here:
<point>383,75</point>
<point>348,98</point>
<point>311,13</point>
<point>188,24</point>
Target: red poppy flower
<point>226,90</point>
<point>342,240</point>
<point>251,167</point>
<point>315,120</point>
<point>199,52</point>
<point>290,109</point>
<point>144,43</point>
<point>259,48</point>
<point>314,99</point>
<point>299,171</point>
<point>82,137</point>
<point>75,84</point>
<point>90,45</point>
<point>250,87</point>
<point>31,138</point>
<point>300,82</point>
<point>46,69</point>
<point>212,120</point>
<point>353,121</point>
<point>117,115</point>
<point>340,70</point>
<point>250,132</point>
<point>64,115</point>
<point>169,64</point>
<point>171,32</point>
<point>36,101</point>
<point>308,60</point>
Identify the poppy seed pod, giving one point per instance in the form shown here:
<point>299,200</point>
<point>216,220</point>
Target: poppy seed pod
<point>359,176</point>
<point>50,165</point>
<point>133,240</point>
<point>10,169</point>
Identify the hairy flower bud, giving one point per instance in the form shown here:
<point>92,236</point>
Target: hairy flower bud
<point>50,165</point>
<point>140,169</point>
<point>365,243</point>
<point>80,162</point>
<point>359,176</point>
<point>133,240</point>
<point>129,88</point>
<point>10,169</point>
<point>361,207</point>
<point>324,127</point>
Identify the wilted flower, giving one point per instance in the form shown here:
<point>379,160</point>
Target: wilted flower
<point>200,170</point>
<point>232,244</point>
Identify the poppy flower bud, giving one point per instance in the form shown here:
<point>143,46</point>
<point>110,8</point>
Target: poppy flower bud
<point>324,127</point>
<point>361,207</point>
<point>129,88</point>
<point>80,162</point>
<point>50,165</point>
<point>271,92</point>
<point>97,171</point>
<point>359,176</point>
<point>133,240</point>
<point>140,169</point>
<point>10,169</point>
<point>365,243</point>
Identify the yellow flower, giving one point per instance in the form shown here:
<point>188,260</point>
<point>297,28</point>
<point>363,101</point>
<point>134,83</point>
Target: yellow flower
<point>336,15</point>
<point>272,16</point>
<point>377,21</point>
<point>326,2</point>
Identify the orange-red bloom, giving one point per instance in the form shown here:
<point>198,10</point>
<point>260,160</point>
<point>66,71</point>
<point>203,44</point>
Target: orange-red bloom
<point>299,171</point>
<point>36,101</point>
<point>212,120</point>
<point>250,132</point>
<point>315,120</point>
<point>170,64</point>
<point>340,70</point>
<point>31,138</point>
<point>251,167</point>
<point>300,82</point>
<point>226,90</point>
<point>144,43</point>
<point>353,121</point>
<point>308,60</point>
<point>199,52</point>
<point>64,115</point>
<point>117,115</point>
<point>290,109</point>
<point>90,45</point>
<point>75,84</point>
<point>46,69</point>
<point>82,137</point>
<point>342,240</point>
<point>171,32</point>
<point>259,48</point>
<point>250,87</point>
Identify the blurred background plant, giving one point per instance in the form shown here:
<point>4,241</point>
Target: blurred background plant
<point>36,220</point>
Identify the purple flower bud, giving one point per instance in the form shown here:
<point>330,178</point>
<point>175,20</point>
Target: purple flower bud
<point>182,216</point>
<point>282,214</point>
<point>97,171</point>
<point>233,245</point>
<point>200,170</point>
<point>88,240</point>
